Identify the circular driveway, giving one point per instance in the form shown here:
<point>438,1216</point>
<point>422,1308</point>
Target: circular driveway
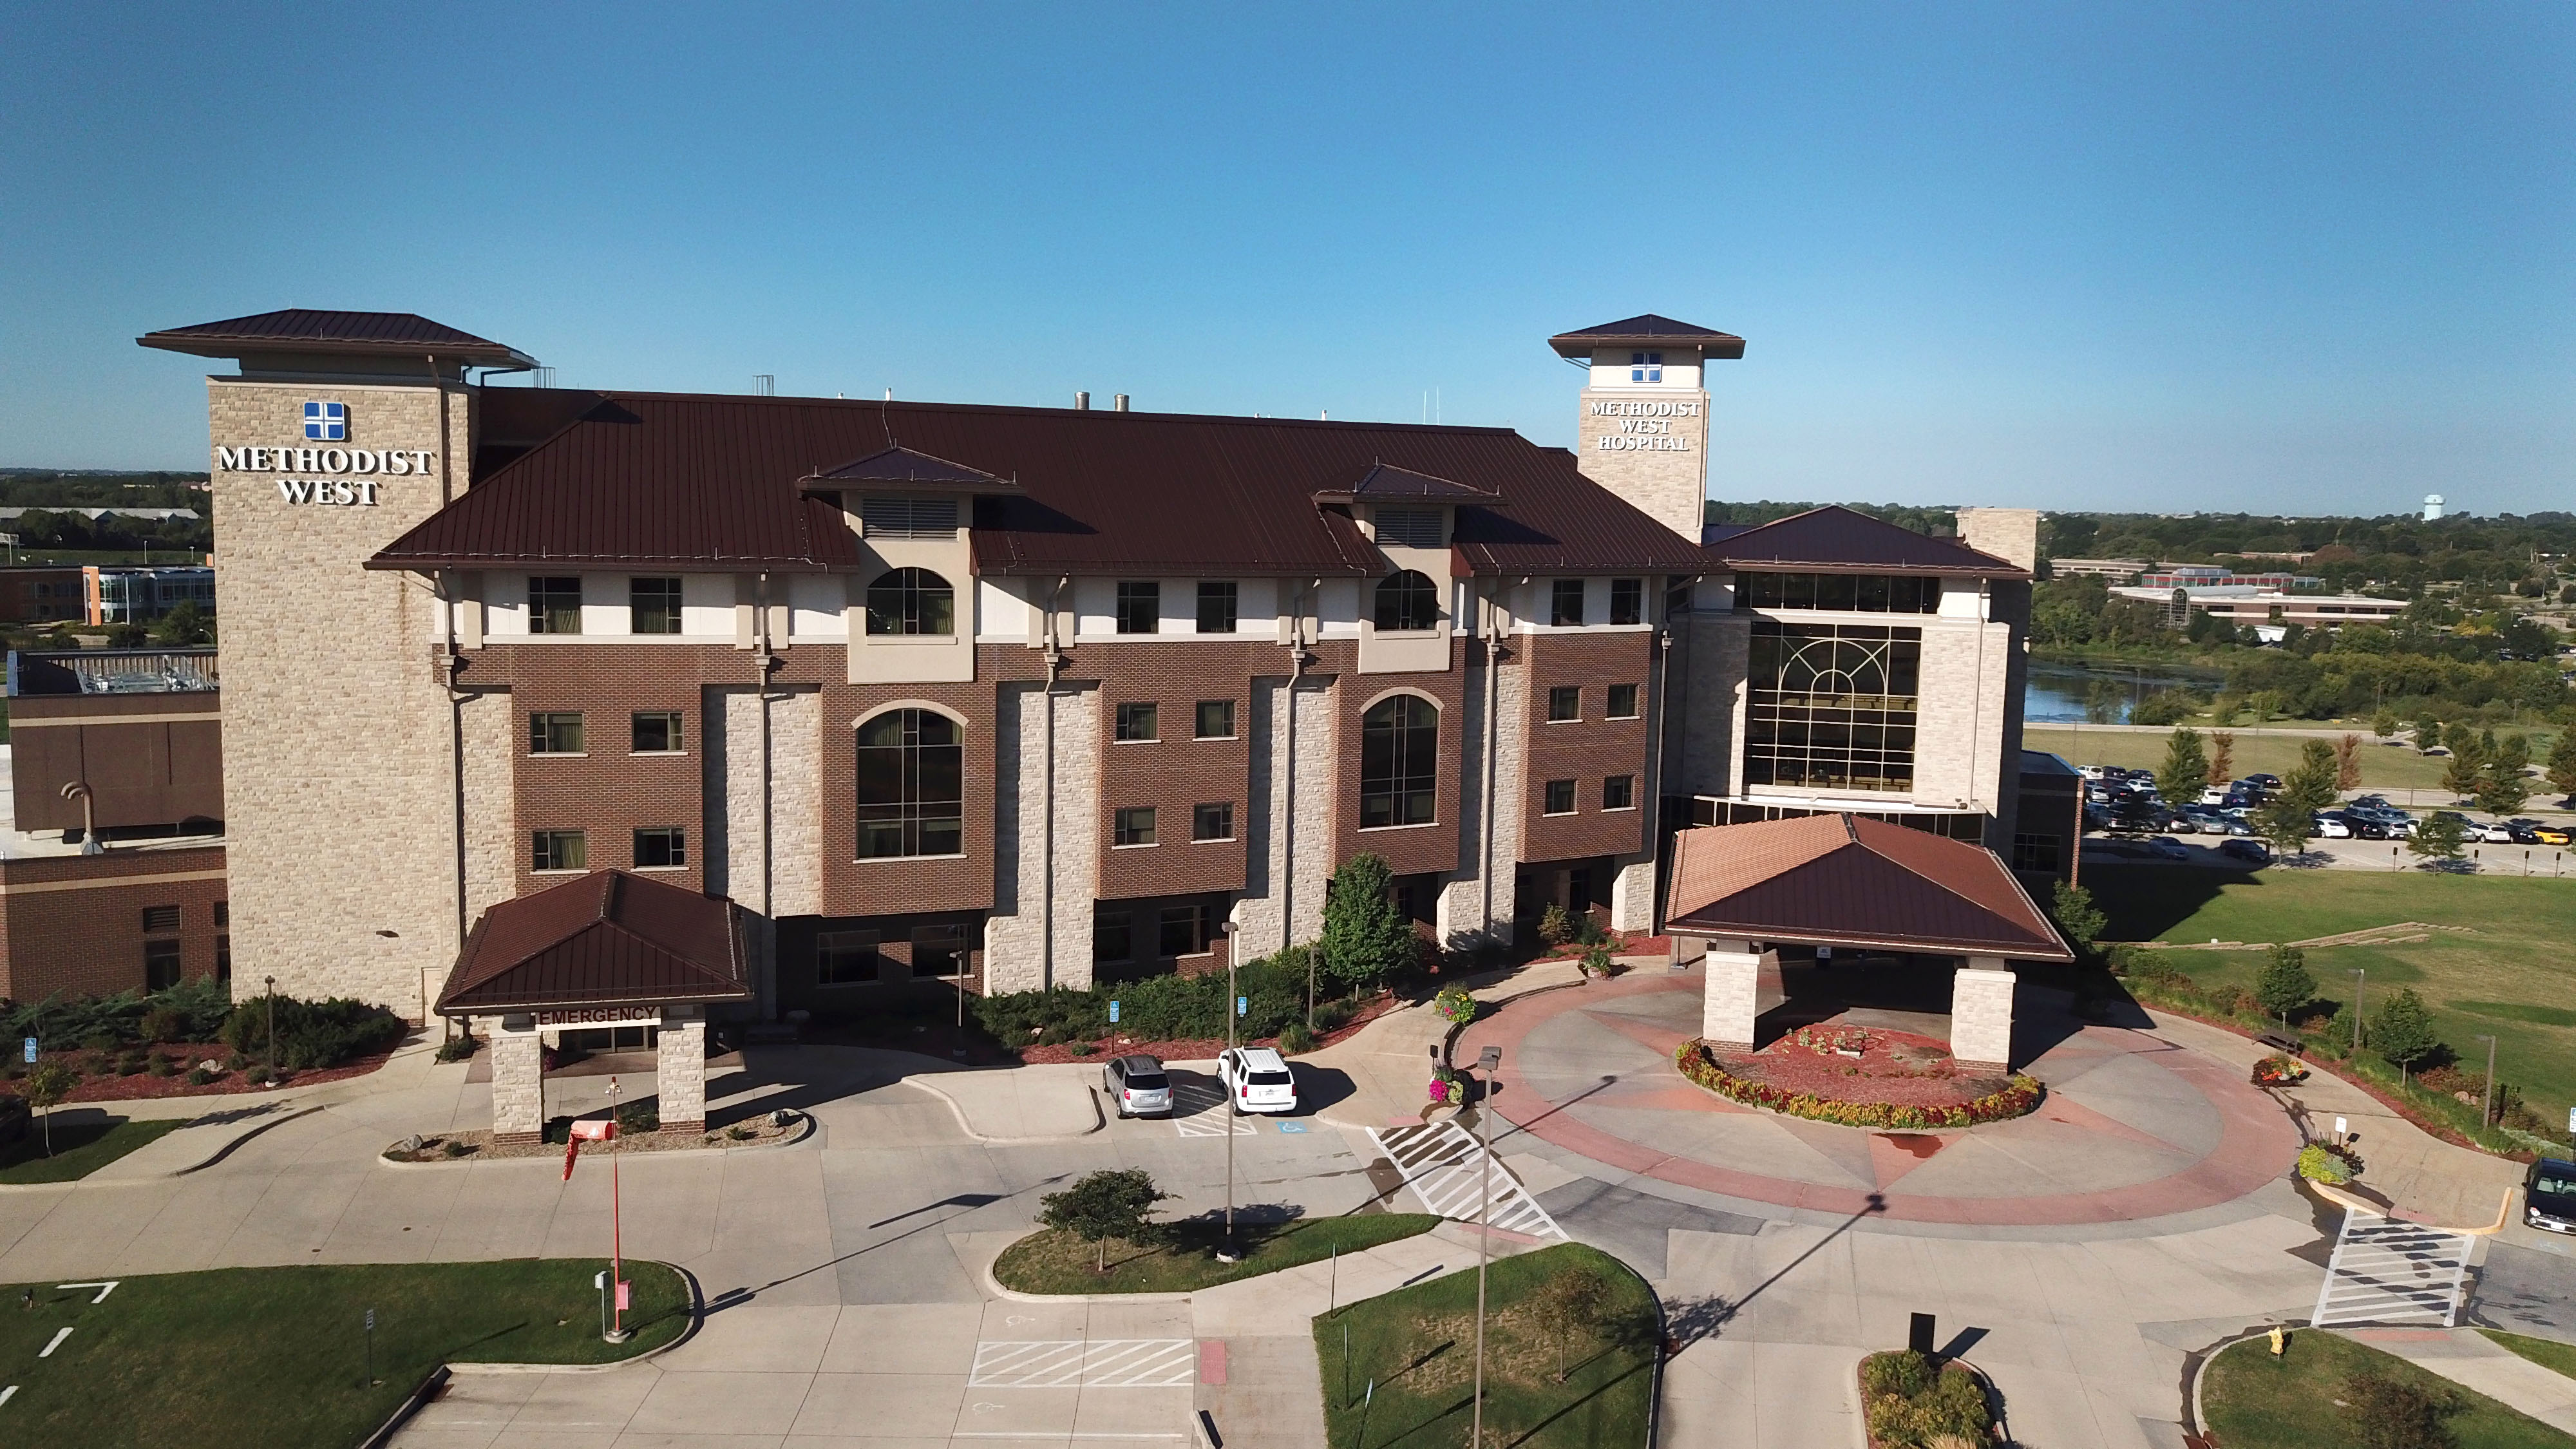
<point>2133,1127</point>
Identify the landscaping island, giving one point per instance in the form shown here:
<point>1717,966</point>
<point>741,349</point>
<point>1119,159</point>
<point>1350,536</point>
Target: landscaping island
<point>2325,1388</point>
<point>280,1356</point>
<point>80,1147</point>
<point>1860,1078</point>
<point>1053,1260</point>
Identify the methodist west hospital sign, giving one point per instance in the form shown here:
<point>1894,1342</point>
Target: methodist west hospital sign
<point>1644,426</point>
<point>358,489</point>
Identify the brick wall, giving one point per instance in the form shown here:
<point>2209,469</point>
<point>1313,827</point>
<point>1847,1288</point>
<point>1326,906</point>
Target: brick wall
<point>73,924</point>
<point>1407,849</point>
<point>1176,772</point>
<point>1586,750</point>
<point>148,759</point>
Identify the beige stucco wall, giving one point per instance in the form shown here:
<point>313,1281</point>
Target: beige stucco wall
<point>337,746</point>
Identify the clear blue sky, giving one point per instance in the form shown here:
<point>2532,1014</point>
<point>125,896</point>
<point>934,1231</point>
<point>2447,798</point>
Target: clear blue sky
<point>2281,257</point>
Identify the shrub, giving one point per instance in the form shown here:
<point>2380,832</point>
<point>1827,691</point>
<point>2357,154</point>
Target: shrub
<point>1083,1048</point>
<point>199,1076</point>
<point>1332,1016</point>
<point>454,1148</point>
<point>162,1066</point>
<point>2320,1163</point>
<point>1555,928</point>
<point>1162,1008</point>
<point>1365,939</point>
<point>1295,1038</point>
<point>739,1133</point>
<point>1909,1399</point>
<point>458,1048</point>
<point>163,1024</point>
<point>100,1041</point>
<point>2386,1413</point>
<point>638,1117</point>
<point>312,1035</point>
<point>558,1129</point>
<point>2015,1099</point>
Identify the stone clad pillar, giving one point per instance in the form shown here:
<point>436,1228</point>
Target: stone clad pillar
<point>1734,995</point>
<point>518,1086</point>
<point>680,1074</point>
<point>1981,1013</point>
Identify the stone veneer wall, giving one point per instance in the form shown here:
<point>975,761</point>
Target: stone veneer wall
<point>1016,952</point>
<point>338,756</point>
<point>492,844</point>
<point>680,1076</point>
<point>518,1087</point>
<point>1669,487</point>
<point>1960,726</point>
<point>1462,917</point>
<point>795,802</point>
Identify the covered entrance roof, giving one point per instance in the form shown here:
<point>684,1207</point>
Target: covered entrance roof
<point>607,939</point>
<point>1842,880</point>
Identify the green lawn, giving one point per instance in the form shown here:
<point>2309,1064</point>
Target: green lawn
<point>80,1147</point>
<point>2508,976</point>
<point>2253,1401</point>
<point>1418,1345</point>
<point>1058,1262</point>
<point>2383,766</point>
<point>278,1356</point>
<point>2549,1353</point>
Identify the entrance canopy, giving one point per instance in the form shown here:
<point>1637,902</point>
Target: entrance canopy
<point>606,939</point>
<point>1844,880</point>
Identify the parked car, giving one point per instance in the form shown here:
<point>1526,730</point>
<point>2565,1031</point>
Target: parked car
<point>1136,1085</point>
<point>2495,833</point>
<point>2367,827</point>
<point>2199,820</point>
<point>2246,850</point>
<point>2265,783</point>
<point>1257,1079</point>
<point>2549,1195</point>
<point>2167,848</point>
<point>2552,835</point>
<point>2214,795</point>
<point>2331,826</point>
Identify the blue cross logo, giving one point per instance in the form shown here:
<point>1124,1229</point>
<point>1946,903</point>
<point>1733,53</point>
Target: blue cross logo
<point>326,422</point>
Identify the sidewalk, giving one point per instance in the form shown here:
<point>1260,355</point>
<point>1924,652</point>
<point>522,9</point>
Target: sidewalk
<point>1389,1060</point>
<point>1018,1104</point>
<point>2426,1179</point>
<point>2468,1358</point>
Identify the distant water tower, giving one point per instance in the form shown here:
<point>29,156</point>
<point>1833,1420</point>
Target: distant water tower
<point>2432,506</point>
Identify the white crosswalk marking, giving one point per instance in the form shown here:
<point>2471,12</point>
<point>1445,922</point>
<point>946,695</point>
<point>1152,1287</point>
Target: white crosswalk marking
<point>1440,1163</point>
<point>2386,1270</point>
<point>1199,1109</point>
<point>1099,1363</point>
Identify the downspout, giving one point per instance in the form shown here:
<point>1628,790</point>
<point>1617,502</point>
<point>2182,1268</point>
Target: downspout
<point>1655,760</point>
<point>766,660</point>
<point>1055,662</point>
<point>1288,818</point>
<point>1493,632</point>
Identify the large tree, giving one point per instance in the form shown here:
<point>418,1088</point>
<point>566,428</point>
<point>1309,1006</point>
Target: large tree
<point>2185,770</point>
<point>2468,761</point>
<point>2562,764</point>
<point>2438,838</point>
<point>2401,1031</point>
<point>2285,984</point>
<point>1365,937</point>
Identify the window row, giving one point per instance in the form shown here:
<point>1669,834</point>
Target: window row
<point>1618,792</point>
<point>1140,606</point>
<point>1860,593</point>
<point>650,732</point>
<point>1178,931</point>
<point>1566,607</point>
<point>1135,825</point>
<point>657,848</point>
<point>554,605</point>
<point>1141,721</point>
<point>1565,702</point>
<point>856,958</point>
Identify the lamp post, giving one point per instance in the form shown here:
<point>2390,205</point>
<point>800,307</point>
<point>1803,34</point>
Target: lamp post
<point>1486,1061</point>
<point>2359,979</point>
<point>1233,1093</point>
<point>2486,1102</point>
<point>272,1028</point>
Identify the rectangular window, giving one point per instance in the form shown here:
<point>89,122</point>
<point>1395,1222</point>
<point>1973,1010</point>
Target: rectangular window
<point>938,951</point>
<point>1133,825</point>
<point>1113,937</point>
<point>554,606</point>
<point>160,965</point>
<point>1216,719</point>
<point>1627,601</point>
<point>1619,792</point>
<point>1181,931</point>
<point>1856,593</point>
<point>1140,607</point>
<point>1564,702</point>
<point>1212,822</point>
<point>1646,367</point>
<point>845,958</point>
<point>1831,705</point>
<point>223,958</point>
<point>561,850</point>
<point>2037,852</point>
<point>1138,721</point>
<point>1409,527</point>
<point>661,849</point>
<point>1216,607</point>
<point>653,605</point>
<point>1560,797</point>
<point>223,914</point>
<point>1565,603</point>
<point>554,734</point>
<point>160,918</point>
<point>657,732</point>
<point>908,517</point>
<point>1622,702</point>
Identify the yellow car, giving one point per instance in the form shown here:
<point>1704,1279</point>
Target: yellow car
<point>2553,835</point>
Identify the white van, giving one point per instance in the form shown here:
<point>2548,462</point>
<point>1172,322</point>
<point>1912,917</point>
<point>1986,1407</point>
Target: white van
<point>1257,1079</point>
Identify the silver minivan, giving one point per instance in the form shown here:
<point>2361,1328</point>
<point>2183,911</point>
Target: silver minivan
<point>1136,1085</point>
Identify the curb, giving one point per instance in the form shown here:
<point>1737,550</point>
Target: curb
<point>472,1159</point>
<point>688,1331</point>
<point>217,1155</point>
<point>2200,1364</point>
<point>994,1286</point>
<point>924,1080</point>
<point>226,1150</point>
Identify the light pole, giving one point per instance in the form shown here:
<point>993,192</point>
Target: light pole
<point>2486,1101</point>
<point>2359,979</point>
<point>272,1030</point>
<point>1226,1253</point>
<point>1486,1061</point>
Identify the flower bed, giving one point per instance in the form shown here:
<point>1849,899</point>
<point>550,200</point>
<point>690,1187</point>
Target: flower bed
<point>102,1082</point>
<point>1191,1049</point>
<point>2018,1096</point>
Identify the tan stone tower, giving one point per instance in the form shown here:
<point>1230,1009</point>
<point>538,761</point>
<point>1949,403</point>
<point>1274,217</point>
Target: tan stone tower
<point>341,430</point>
<point>1645,412</point>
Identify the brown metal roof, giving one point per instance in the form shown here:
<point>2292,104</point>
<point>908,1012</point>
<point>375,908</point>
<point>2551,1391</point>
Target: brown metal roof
<point>1840,880</point>
<point>609,938</point>
<point>299,329</point>
<point>909,469</point>
<point>1649,330</point>
<point>716,482</point>
<point>1834,537</point>
<point>1383,483</point>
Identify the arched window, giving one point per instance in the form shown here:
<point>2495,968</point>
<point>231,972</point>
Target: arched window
<point>911,601</point>
<point>912,784</point>
<point>1399,761</point>
<point>1407,600</point>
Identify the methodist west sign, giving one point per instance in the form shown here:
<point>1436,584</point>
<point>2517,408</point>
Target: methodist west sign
<point>361,468</point>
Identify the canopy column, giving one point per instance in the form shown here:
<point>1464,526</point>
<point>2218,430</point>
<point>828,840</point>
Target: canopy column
<point>1981,1013</point>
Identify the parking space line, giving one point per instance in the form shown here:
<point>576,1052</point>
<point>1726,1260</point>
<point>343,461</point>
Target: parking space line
<point>54,1343</point>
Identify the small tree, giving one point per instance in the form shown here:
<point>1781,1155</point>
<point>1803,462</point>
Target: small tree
<point>2347,752</point>
<point>1570,1304</point>
<point>2428,731</point>
<point>2311,781</point>
<point>2285,984</point>
<point>2077,917</point>
<point>2562,764</point>
<point>46,1087</point>
<point>2185,770</point>
<point>2401,1031</point>
<point>2222,757</point>
<point>2468,761</point>
<point>2283,824</point>
<point>185,625</point>
<point>1117,1204</point>
<point>2383,723</point>
<point>1365,937</point>
<point>2439,838</point>
<point>2502,791</point>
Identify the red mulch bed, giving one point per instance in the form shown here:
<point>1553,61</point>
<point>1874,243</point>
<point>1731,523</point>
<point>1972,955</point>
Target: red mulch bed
<point>1898,1068</point>
<point>1619,946</point>
<point>1196,1051</point>
<point>109,1087</point>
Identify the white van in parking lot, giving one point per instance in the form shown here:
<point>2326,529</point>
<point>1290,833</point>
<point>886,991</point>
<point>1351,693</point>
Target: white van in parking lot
<point>1257,1079</point>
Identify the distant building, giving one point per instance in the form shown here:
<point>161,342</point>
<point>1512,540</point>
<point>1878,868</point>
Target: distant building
<point>56,594</point>
<point>2119,570</point>
<point>2197,576</point>
<point>2432,507</point>
<point>2242,603</point>
<point>140,595</point>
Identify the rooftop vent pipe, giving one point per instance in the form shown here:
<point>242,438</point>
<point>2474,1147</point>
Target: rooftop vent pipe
<point>1121,404</point>
<point>1082,402</point>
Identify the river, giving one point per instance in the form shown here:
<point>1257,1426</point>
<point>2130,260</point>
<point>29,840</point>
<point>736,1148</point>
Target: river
<point>2056,693</point>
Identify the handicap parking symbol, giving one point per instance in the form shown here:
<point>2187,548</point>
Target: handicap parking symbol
<point>1292,1126</point>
